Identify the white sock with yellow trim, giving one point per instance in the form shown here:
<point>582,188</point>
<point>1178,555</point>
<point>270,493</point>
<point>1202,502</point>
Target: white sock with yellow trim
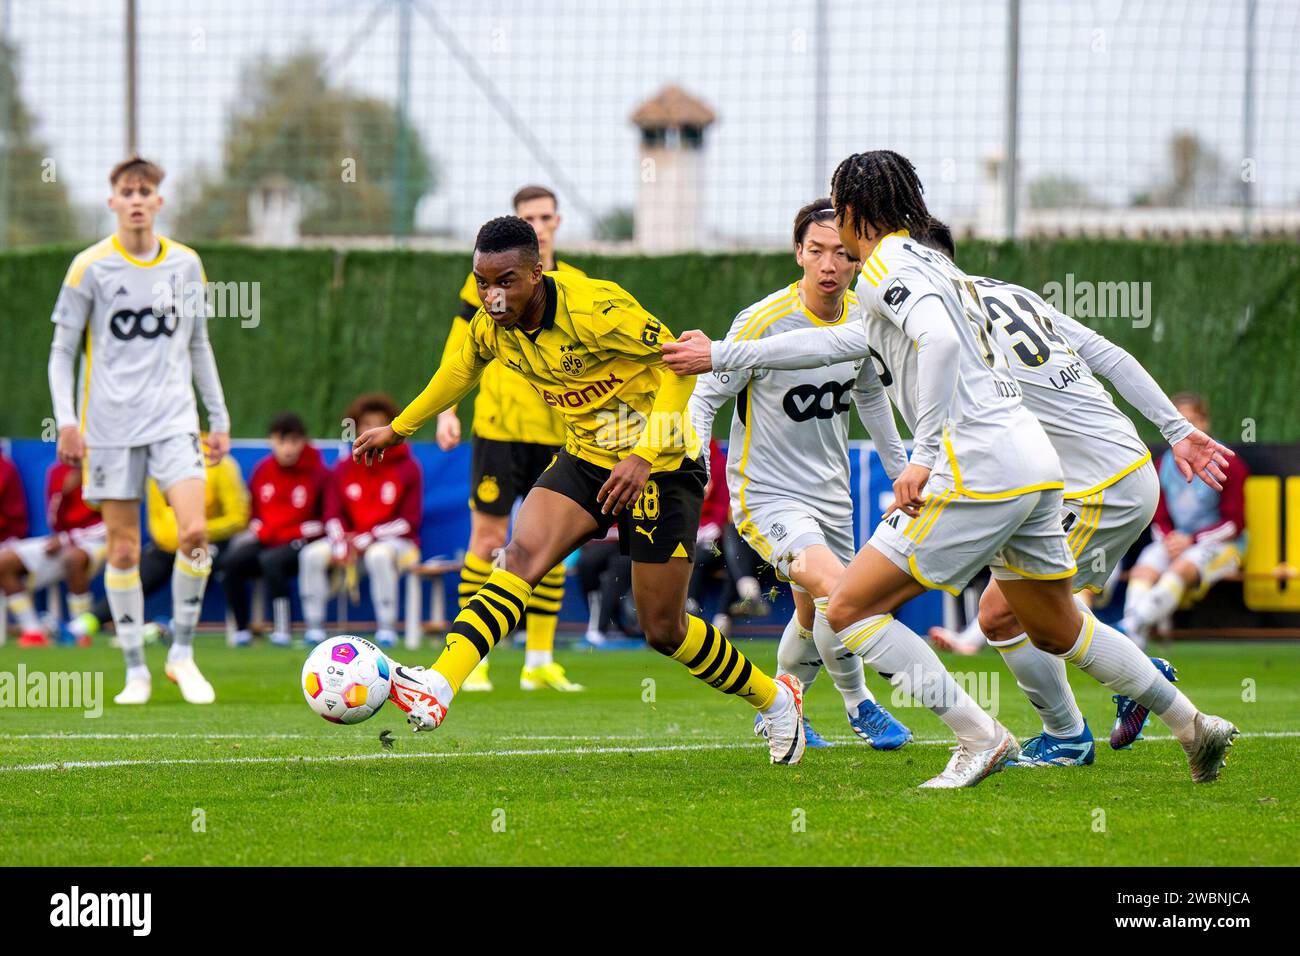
<point>797,654</point>
<point>189,581</point>
<point>1106,655</point>
<point>1042,677</point>
<point>24,611</point>
<point>126,602</point>
<point>900,656</point>
<point>842,664</point>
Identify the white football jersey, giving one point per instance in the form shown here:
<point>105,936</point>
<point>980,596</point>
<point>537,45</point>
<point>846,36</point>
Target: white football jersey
<point>139,317</point>
<point>991,446</point>
<point>790,429</point>
<point>1096,442</point>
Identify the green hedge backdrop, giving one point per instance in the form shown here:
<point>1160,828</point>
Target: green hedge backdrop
<point>1225,320</point>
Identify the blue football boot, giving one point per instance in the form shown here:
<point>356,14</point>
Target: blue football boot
<point>1046,750</point>
<point>1130,716</point>
<point>878,726</point>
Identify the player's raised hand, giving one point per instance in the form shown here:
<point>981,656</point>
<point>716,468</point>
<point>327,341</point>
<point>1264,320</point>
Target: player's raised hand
<point>909,488</point>
<point>448,434</point>
<point>1200,456</point>
<point>218,446</point>
<point>370,444</point>
<point>691,354</point>
<point>624,485</point>
<point>71,447</point>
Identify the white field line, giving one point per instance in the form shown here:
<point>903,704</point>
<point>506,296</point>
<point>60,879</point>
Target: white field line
<point>454,754</point>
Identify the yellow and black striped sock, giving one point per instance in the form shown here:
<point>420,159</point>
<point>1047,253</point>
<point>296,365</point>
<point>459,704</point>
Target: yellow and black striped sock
<point>473,576</point>
<point>489,616</point>
<point>544,611</point>
<point>716,661</point>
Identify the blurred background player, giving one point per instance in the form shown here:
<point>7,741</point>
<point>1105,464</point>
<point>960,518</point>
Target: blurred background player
<point>146,351</point>
<point>372,528</point>
<point>288,492</point>
<point>13,503</point>
<point>225,514</point>
<point>605,576</point>
<point>1199,532</point>
<point>788,462</point>
<point>73,552</point>
<point>514,437</point>
<point>720,551</point>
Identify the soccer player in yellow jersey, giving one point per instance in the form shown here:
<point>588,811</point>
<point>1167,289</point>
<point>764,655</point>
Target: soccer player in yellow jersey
<point>515,436</point>
<point>630,457</point>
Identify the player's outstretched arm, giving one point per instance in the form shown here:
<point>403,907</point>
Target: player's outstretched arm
<point>796,349</point>
<point>877,416</point>
<point>1195,453</point>
<point>452,382</point>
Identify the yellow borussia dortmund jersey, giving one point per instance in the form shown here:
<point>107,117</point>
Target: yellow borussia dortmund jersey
<point>595,360</point>
<point>507,407</point>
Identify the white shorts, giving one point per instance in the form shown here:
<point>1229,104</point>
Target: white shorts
<point>1101,527</point>
<point>778,529</point>
<point>955,537</point>
<point>1214,561</point>
<point>45,569</point>
<point>120,474</point>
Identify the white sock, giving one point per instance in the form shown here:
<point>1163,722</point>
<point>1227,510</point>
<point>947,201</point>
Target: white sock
<point>972,635</point>
<point>842,664</point>
<point>1042,678</point>
<point>24,611</point>
<point>1106,655</point>
<point>797,654</point>
<point>280,613</point>
<point>79,604</point>
<point>189,581</point>
<point>534,659</point>
<point>126,602</point>
<point>899,655</point>
<point>381,566</point>
<point>313,583</point>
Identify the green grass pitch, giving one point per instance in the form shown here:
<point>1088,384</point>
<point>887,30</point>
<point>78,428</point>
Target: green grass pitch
<point>647,766</point>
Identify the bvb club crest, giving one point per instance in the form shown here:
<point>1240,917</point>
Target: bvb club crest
<point>572,364</point>
<point>488,489</point>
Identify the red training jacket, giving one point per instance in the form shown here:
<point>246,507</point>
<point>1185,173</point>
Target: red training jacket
<point>383,500</point>
<point>289,503</point>
<point>1232,507</point>
<point>13,506</point>
<point>64,509</point>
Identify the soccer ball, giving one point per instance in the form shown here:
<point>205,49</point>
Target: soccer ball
<point>346,679</point>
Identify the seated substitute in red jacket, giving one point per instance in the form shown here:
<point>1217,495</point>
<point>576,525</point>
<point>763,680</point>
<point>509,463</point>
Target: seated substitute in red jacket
<point>73,551</point>
<point>288,512</point>
<point>372,527</point>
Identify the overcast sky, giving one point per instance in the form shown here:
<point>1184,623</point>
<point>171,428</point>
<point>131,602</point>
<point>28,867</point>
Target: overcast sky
<point>1104,85</point>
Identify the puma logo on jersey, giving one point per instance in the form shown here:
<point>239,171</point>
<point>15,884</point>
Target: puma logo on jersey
<point>649,534</point>
<point>805,402</point>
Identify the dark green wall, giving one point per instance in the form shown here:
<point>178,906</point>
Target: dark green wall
<point>1225,319</point>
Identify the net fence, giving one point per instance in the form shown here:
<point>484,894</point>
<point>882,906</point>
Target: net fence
<point>662,124</point>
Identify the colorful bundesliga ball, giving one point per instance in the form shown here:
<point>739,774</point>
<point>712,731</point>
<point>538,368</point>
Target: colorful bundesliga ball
<point>346,679</point>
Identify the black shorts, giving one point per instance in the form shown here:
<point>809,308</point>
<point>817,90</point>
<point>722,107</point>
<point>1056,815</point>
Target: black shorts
<point>503,471</point>
<point>660,525</point>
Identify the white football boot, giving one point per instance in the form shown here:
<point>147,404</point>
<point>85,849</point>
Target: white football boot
<point>194,686</point>
<point>785,734</point>
<point>422,693</point>
<point>968,767</point>
<point>136,691</point>
<point>1208,751</point>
